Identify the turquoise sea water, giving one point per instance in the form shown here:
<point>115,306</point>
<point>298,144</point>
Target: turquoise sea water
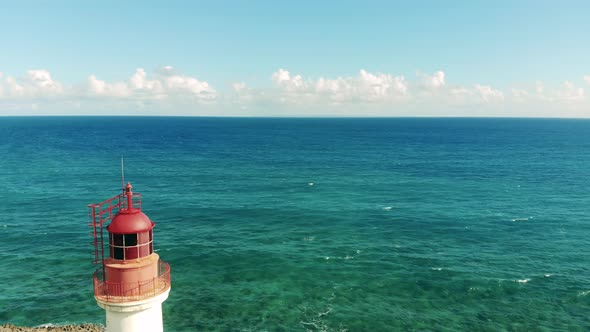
<point>309,224</point>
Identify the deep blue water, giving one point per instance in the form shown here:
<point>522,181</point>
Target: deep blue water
<point>309,224</point>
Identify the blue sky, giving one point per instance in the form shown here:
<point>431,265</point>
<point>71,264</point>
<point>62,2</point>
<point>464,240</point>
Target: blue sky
<point>538,48</point>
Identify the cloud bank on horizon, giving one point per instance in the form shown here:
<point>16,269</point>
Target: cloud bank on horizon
<point>168,92</point>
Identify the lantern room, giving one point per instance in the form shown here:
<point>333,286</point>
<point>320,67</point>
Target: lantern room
<point>130,235</point>
<point>130,232</point>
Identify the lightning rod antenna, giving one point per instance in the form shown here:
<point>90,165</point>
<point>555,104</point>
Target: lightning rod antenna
<point>122,174</point>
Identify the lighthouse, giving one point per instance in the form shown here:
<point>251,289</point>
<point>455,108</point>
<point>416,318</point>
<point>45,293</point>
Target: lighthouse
<point>132,282</point>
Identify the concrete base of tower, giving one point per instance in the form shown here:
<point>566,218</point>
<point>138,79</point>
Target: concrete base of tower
<point>137,316</point>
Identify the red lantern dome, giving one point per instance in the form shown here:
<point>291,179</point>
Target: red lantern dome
<point>130,221</point>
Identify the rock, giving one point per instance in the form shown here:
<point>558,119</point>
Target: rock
<point>53,328</point>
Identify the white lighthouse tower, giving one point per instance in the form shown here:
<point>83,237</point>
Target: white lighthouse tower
<point>132,282</point>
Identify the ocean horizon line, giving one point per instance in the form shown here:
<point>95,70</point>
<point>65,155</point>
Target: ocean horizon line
<point>289,117</point>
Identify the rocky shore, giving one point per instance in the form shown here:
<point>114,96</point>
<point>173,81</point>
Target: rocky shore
<point>53,328</point>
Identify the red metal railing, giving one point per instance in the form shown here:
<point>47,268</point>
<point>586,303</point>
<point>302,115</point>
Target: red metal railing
<point>102,213</point>
<point>124,292</point>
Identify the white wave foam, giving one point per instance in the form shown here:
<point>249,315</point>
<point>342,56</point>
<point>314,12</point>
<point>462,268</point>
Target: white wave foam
<point>547,275</point>
<point>522,281</point>
<point>584,293</point>
<point>358,251</point>
<point>387,208</point>
<point>436,268</point>
<point>332,297</point>
<point>348,257</point>
<point>317,321</point>
<point>325,313</point>
<point>521,219</point>
<point>311,184</point>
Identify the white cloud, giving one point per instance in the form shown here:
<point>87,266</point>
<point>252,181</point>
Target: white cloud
<point>101,88</point>
<point>139,81</point>
<point>438,79</point>
<point>42,81</point>
<point>244,97</point>
<point>290,83</point>
<point>337,90</point>
<point>367,87</point>
<point>435,81</point>
<point>478,94</point>
<point>488,94</point>
<point>381,86</point>
<point>14,88</point>
<point>381,89</point>
<point>165,84</point>
<point>36,83</point>
<point>569,92</point>
<point>191,85</point>
<point>280,76</point>
<point>167,91</point>
<point>537,94</point>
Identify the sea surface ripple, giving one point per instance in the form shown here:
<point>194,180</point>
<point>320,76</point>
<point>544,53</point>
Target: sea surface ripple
<point>309,224</point>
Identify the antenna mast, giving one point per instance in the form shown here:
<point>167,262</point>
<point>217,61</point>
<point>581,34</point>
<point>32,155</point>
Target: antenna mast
<point>122,175</point>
